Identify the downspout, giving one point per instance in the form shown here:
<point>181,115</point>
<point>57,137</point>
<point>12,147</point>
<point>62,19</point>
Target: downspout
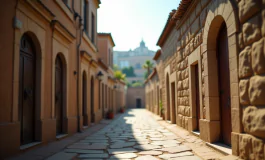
<point>78,28</point>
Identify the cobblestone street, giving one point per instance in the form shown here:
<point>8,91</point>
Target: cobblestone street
<point>137,135</point>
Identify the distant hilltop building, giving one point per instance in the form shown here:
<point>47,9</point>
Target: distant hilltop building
<point>135,58</point>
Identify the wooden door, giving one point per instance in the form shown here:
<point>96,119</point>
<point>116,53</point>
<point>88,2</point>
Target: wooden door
<point>173,103</point>
<point>84,100</point>
<point>224,85</point>
<point>168,99</point>
<point>92,100</point>
<point>27,90</point>
<point>197,95</point>
<point>59,95</point>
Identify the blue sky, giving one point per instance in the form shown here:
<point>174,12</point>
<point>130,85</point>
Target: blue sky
<point>131,20</point>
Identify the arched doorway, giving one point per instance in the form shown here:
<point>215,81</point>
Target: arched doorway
<point>27,82</point>
<point>224,85</point>
<point>84,95</point>
<point>168,98</point>
<point>59,94</point>
<point>92,100</point>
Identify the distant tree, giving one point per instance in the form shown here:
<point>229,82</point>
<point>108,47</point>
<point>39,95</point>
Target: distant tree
<point>145,75</point>
<point>119,75</point>
<point>148,65</point>
<point>116,67</point>
<point>129,71</point>
<point>137,84</point>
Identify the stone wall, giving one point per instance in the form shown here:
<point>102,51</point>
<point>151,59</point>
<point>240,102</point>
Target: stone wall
<point>196,33</point>
<point>252,81</point>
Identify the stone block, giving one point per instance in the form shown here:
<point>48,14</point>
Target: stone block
<point>258,148</point>
<point>245,69</point>
<point>212,108</point>
<point>187,111</point>
<point>263,23</point>
<point>251,30</point>
<point>258,57</point>
<point>245,148</point>
<point>236,119</point>
<point>240,41</point>
<point>186,123</point>
<point>235,143</point>
<point>253,121</point>
<point>247,8</point>
<point>181,110</point>
<point>203,130</point>
<point>257,90</point>
<point>179,75</point>
<point>243,91</point>
<point>214,131</point>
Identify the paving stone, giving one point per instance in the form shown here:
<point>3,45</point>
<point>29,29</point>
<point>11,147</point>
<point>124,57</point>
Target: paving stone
<point>176,149</point>
<point>85,146</point>
<point>83,151</point>
<point>121,150</point>
<point>146,158</point>
<point>154,153</point>
<point>147,147</point>
<point>102,155</point>
<point>187,158</point>
<point>168,156</point>
<point>124,156</point>
<point>94,140</point>
<point>165,142</point>
<point>122,145</point>
<point>62,155</point>
<point>170,145</point>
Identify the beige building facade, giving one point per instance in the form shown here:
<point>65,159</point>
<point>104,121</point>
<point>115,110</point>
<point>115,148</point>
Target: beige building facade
<point>52,75</point>
<point>210,73</point>
<point>135,97</point>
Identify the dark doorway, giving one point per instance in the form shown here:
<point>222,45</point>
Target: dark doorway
<point>84,111</point>
<point>92,100</point>
<point>27,90</point>
<point>168,98</point>
<point>59,95</point>
<point>197,96</point>
<point>224,85</point>
<point>138,103</point>
<point>173,102</point>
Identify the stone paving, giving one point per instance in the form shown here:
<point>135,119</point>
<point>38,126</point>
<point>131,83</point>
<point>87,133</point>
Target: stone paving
<point>135,135</point>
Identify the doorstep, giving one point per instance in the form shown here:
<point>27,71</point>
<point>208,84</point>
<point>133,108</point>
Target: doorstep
<point>225,149</point>
<point>30,145</point>
<point>196,133</point>
<point>61,136</point>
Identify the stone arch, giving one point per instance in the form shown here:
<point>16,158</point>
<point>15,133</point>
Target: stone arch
<point>220,13</point>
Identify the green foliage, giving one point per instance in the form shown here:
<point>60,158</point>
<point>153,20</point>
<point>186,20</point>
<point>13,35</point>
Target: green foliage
<point>119,75</point>
<point>161,107</point>
<point>116,67</point>
<point>145,75</point>
<point>148,65</point>
<point>137,84</point>
<point>129,71</point>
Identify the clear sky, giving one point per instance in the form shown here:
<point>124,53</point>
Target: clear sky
<point>130,21</point>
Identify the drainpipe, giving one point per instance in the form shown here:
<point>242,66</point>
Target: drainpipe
<point>78,29</point>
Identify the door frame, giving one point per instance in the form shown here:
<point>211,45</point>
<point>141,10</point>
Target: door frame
<point>210,78</point>
<point>39,87</point>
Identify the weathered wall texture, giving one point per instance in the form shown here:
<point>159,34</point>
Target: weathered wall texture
<point>193,41</point>
<point>54,30</point>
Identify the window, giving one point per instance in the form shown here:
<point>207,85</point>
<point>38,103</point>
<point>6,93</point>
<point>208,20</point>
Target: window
<point>93,29</point>
<point>85,16</point>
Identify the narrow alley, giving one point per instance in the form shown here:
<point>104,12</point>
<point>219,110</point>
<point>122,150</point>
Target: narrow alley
<point>137,134</point>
